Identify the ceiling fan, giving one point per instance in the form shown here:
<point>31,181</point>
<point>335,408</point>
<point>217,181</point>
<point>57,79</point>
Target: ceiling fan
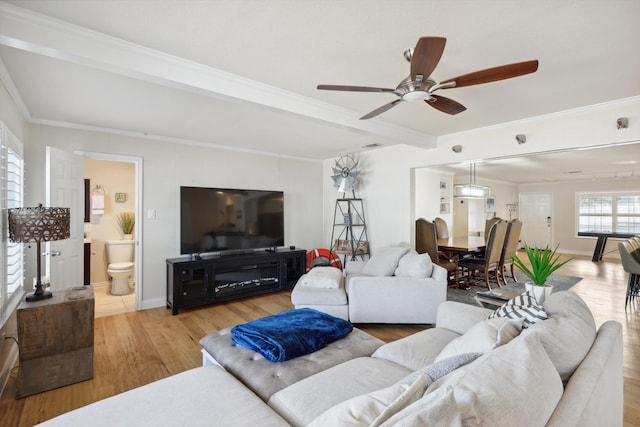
<point>419,86</point>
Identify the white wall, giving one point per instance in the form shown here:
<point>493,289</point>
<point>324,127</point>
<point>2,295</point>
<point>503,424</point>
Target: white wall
<point>386,192</point>
<point>428,196</point>
<point>387,179</point>
<point>167,166</point>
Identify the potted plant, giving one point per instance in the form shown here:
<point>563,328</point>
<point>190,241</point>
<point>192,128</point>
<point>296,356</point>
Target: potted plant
<point>126,221</point>
<point>543,263</point>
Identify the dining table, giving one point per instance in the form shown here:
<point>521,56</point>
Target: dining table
<point>457,247</point>
<point>461,245</point>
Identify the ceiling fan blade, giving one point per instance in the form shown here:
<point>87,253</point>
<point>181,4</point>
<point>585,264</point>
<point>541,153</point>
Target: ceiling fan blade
<point>382,109</point>
<point>426,56</point>
<point>445,105</point>
<point>494,74</point>
<point>355,88</point>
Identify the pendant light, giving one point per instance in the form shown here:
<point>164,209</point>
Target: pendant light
<point>471,190</point>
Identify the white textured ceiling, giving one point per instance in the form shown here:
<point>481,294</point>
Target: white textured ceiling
<point>244,73</point>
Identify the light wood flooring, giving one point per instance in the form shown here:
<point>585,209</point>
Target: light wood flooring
<point>136,348</point>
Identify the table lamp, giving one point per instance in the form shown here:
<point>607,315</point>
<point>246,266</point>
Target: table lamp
<point>38,225</point>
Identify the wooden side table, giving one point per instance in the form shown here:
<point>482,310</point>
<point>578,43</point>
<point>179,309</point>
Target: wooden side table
<point>56,340</point>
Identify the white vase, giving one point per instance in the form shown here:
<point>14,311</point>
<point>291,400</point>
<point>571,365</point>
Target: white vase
<point>540,292</point>
<point>127,237</point>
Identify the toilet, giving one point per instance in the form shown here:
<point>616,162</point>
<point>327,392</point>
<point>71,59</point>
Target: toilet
<point>120,259</point>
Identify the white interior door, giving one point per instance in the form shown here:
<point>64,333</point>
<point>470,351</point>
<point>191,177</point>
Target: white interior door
<point>535,214</point>
<point>65,188</point>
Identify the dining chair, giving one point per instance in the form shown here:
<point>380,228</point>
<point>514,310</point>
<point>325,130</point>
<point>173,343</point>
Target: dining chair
<point>442,229</point>
<point>487,226</point>
<point>509,249</point>
<point>631,266</point>
<point>427,242</point>
<point>491,259</point>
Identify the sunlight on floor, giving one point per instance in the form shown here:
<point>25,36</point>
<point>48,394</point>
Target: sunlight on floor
<point>107,304</point>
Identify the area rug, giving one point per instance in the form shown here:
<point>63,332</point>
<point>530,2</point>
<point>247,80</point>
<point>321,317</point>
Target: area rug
<point>466,296</point>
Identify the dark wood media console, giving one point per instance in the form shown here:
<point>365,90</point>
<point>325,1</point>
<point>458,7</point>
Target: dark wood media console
<point>223,277</point>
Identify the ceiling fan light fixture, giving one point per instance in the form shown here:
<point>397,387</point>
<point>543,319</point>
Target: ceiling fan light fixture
<point>417,95</point>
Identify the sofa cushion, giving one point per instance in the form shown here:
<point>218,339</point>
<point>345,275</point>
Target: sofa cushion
<point>322,277</point>
<point>416,350</point>
<point>512,385</point>
<point>202,396</point>
<point>374,408</point>
<point>523,308</point>
<point>302,402</point>
<point>569,332</point>
<point>385,261</point>
<point>309,295</point>
<point>415,265</point>
<point>481,338</point>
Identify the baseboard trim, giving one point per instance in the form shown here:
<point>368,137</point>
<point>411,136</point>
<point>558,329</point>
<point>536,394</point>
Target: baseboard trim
<point>10,362</point>
<point>154,303</point>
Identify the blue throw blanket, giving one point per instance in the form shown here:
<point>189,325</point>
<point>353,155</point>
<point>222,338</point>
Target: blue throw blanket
<point>290,334</point>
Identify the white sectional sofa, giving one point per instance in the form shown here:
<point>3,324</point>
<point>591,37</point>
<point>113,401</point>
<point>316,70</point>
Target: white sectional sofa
<point>396,285</point>
<point>557,372</point>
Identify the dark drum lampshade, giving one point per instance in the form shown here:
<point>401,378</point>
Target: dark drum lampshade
<point>38,225</point>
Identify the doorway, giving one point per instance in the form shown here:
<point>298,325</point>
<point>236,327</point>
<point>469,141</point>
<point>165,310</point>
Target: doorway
<point>536,216</point>
<point>115,182</point>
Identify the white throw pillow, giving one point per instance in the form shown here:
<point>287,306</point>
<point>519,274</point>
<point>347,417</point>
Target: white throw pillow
<point>371,409</point>
<point>322,277</point>
<point>415,265</point>
<point>481,338</point>
<point>384,261</point>
<point>439,410</point>
<point>510,386</point>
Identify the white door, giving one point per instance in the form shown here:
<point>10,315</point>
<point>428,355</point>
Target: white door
<point>535,214</point>
<point>65,189</point>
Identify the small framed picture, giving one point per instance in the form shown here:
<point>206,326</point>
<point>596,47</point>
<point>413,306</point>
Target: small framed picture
<point>491,204</point>
<point>121,197</point>
<point>443,185</point>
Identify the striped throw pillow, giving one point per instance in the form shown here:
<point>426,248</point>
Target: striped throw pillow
<point>523,308</point>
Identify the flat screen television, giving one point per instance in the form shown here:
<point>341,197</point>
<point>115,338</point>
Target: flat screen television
<point>223,219</point>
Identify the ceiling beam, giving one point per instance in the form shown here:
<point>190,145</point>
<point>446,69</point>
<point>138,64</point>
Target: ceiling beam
<point>39,34</point>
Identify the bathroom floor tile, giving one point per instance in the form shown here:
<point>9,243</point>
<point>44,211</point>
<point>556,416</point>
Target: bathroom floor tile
<point>108,305</point>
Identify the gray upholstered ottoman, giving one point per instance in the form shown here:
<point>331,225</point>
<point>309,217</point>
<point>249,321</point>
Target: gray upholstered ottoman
<point>328,300</point>
<point>265,378</point>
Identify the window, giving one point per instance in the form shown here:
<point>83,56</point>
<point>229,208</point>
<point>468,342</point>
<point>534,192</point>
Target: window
<point>11,196</point>
<point>617,212</point>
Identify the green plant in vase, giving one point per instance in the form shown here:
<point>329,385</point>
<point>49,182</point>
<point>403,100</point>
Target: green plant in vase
<point>543,262</point>
<point>126,222</point>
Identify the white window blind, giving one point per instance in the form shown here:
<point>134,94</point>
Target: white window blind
<point>14,199</point>
<point>11,196</point>
<point>615,212</point>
